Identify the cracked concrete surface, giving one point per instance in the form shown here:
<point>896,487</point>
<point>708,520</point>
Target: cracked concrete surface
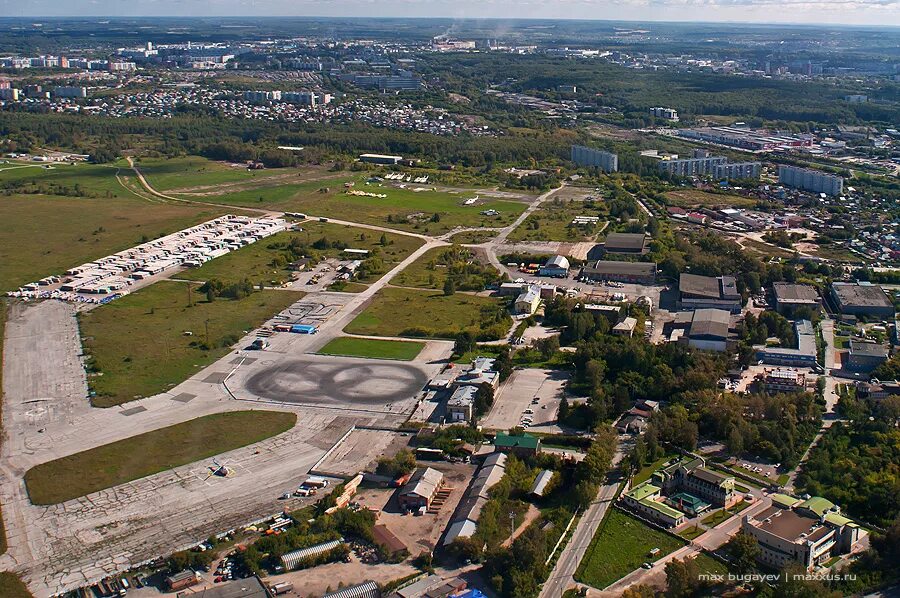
<point>47,416</point>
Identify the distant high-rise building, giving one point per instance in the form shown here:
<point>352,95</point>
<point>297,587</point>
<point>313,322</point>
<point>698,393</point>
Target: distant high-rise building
<point>737,170</point>
<point>692,166</point>
<point>70,92</point>
<point>810,180</point>
<point>586,156</point>
<point>666,113</point>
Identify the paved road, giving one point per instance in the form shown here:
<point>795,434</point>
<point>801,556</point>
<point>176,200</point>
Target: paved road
<point>562,576</point>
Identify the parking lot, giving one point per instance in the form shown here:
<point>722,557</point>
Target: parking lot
<point>517,396</point>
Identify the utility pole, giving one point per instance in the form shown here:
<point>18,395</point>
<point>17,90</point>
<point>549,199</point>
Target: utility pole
<point>512,524</point>
<point>206,326</point>
<point>190,297</point>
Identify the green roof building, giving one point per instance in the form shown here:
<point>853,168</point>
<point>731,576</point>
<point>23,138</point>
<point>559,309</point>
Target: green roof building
<point>520,444</point>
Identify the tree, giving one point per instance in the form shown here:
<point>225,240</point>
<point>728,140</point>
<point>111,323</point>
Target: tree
<point>639,591</point>
<point>465,342</point>
<point>383,241</point>
<point>563,413</point>
<point>744,549</point>
<point>449,287</point>
<point>484,398</point>
<point>682,578</point>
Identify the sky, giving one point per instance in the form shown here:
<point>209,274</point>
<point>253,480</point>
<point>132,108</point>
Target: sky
<point>874,12</point>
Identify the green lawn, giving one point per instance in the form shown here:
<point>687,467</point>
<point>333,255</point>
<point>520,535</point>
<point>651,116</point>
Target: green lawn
<point>553,222</point>
<point>409,312</point>
<point>403,208</point>
<point>3,309</point>
<point>620,546</point>
<point>12,587</point>
<point>367,347</point>
<point>138,342</point>
<point>689,533</point>
<point>145,454</point>
<point>255,261</point>
<point>720,515</point>
<point>709,565</point>
<point>42,235</point>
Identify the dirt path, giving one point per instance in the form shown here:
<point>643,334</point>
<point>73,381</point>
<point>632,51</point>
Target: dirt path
<point>530,516</point>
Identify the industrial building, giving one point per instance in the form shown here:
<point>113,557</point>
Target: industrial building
<point>465,518</point>
<point>632,272</point>
<point>421,489</point>
<point>556,267</point>
<point>461,404</point>
<point>865,356</point>
<point>805,355</point>
<point>805,533</point>
<point>586,156</point>
<point>810,180</point>
<point>293,559</point>
<point>696,292</point>
<point>250,587</point>
<point>629,243</point>
<point>369,589</point>
<point>781,380</point>
<point>705,329</point>
<point>380,159</point>
<point>789,297</point>
<point>747,139</point>
<point>861,299</point>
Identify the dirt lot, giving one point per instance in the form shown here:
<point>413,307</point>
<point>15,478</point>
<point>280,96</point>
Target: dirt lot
<point>516,395</point>
<point>317,581</point>
<point>360,450</point>
<point>420,533</point>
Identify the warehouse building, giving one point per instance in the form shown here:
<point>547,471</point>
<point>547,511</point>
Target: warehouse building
<point>586,156</point>
<point>250,587</point>
<point>421,489</point>
<point>293,559</point>
<point>627,243</point>
<point>696,292</point>
<point>557,267</point>
<point>380,159</point>
<point>861,299</point>
<point>705,329</point>
<point>631,272</point>
<point>805,355</point>
<point>790,297</point>
<point>865,356</point>
<point>368,589</point>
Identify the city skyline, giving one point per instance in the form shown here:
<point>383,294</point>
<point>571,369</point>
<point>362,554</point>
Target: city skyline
<point>825,12</point>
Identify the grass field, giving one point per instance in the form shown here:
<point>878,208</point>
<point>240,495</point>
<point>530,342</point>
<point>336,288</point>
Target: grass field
<point>157,354</point>
<point>407,209</point>
<point>473,237</point>
<point>689,533</point>
<point>620,546</point>
<point>42,235</point>
<point>343,286</point>
<point>3,309</point>
<point>697,198</point>
<point>408,312</point>
<point>553,222</point>
<point>195,171</point>
<point>255,261</point>
<point>82,180</point>
<point>367,347</point>
<point>145,454</point>
<point>710,565</point>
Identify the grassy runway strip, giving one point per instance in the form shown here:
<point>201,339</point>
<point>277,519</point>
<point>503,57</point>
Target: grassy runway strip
<point>151,452</point>
<point>377,349</point>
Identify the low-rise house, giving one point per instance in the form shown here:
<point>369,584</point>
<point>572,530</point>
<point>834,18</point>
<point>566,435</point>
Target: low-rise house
<point>522,445</point>
<point>528,301</point>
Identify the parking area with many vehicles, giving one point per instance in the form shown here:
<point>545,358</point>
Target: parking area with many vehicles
<point>530,397</point>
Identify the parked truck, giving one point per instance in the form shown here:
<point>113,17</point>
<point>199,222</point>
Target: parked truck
<point>282,588</point>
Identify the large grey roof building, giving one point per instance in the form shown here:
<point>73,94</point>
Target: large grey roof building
<point>696,292</point>
<point>861,299</point>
